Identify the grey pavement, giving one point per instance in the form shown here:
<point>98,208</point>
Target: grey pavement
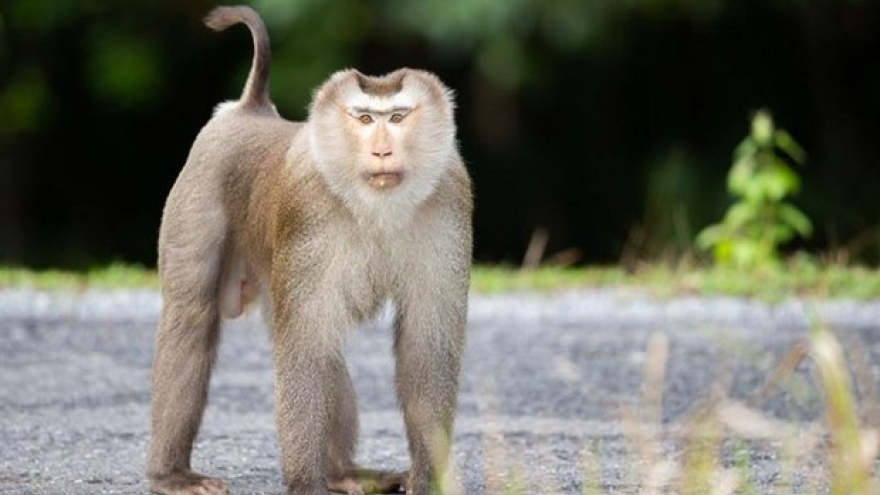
<point>548,384</point>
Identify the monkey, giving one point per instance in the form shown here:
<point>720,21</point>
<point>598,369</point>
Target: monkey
<point>319,224</point>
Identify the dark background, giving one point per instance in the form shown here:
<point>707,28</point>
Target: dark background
<point>608,123</point>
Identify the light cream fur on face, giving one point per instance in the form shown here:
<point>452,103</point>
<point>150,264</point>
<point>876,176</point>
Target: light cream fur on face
<point>382,155</point>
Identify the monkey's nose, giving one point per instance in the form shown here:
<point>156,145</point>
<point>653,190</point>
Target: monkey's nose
<point>382,154</point>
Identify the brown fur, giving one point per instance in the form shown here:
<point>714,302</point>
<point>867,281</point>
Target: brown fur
<point>381,87</point>
<point>280,213</point>
<point>256,89</point>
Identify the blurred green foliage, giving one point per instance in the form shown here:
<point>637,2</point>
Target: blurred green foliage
<point>123,69</point>
<point>606,122</point>
<point>761,220</point>
<point>125,66</point>
<point>23,102</point>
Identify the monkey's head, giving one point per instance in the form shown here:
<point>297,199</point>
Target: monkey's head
<point>384,141</point>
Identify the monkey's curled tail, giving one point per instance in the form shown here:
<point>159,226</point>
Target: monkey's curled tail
<point>256,90</point>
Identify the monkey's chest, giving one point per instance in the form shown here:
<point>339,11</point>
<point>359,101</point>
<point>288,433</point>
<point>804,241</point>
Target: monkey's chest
<point>358,278</point>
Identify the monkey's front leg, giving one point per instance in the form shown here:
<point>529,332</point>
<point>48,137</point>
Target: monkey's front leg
<point>429,342</point>
<point>342,474</point>
<point>306,360</point>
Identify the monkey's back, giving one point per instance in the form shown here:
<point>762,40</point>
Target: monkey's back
<point>227,180</point>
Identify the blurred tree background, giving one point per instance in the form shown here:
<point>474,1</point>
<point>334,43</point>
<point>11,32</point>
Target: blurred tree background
<point>608,124</point>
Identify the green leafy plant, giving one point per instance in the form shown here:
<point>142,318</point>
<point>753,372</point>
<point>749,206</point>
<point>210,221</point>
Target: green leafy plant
<point>761,219</point>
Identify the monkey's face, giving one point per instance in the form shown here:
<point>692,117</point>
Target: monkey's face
<point>385,138</point>
<point>379,129</point>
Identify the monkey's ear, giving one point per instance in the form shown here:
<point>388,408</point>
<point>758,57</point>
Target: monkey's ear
<point>431,87</point>
<point>333,89</point>
<point>362,80</point>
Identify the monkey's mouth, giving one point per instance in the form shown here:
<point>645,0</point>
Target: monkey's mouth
<point>384,180</point>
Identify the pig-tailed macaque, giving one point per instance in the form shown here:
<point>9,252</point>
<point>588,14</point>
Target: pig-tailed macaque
<point>319,223</point>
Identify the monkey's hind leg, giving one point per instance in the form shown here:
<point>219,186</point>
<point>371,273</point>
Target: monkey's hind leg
<point>342,474</point>
<point>186,347</point>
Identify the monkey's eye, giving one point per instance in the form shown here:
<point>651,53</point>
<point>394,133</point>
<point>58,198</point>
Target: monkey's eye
<point>396,118</point>
<point>365,119</point>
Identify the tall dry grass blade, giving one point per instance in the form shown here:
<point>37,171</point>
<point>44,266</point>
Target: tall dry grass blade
<point>752,424</point>
<point>786,368</point>
<point>746,423</point>
<point>742,463</point>
<point>446,481</point>
<point>656,358</point>
<point>724,482</point>
<point>848,457</point>
<point>591,467</point>
<point>494,450</point>
<point>535,250</point>
<point>643,430</point>
<point>516,483</point>
<point>701,448</point>
<point>660,475</point>
<point>861,370</point>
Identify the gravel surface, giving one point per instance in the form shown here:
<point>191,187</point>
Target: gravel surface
<point>547,384</point>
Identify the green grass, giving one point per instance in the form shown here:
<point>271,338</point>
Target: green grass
<point>113,276</point>
<point>796,278</point>
<point>800,276</point>
<point>494,279</point>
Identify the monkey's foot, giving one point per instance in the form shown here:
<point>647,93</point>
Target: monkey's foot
<point>367,481</point>
<point>187,483</point>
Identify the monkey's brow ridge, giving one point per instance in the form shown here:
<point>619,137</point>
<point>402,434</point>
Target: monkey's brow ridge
<point>382,111</point>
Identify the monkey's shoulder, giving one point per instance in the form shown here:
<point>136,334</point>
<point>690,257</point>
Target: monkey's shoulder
<point>454,188</point>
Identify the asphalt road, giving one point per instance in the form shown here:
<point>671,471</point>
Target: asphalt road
<point>547,387</point>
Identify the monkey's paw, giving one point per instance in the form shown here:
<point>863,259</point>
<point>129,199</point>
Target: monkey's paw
<point>187,483</point>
